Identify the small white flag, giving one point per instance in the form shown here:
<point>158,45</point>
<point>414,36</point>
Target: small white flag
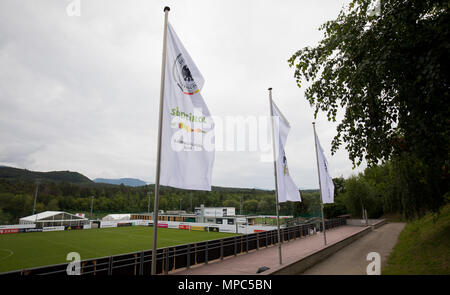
<point>187,146</point>
<point>287,190</point>
<point>326,182</point>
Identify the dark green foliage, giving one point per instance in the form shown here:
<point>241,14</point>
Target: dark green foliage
<point>17,196</point>
<point>360,194</point>
<point>54,176</point>
<point>389,72</point>
<point>125,181</point>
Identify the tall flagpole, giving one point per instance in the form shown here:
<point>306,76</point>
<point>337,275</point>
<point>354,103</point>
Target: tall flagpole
<point>158,162</point>
<point>320,185</point>
<point>276,177</point>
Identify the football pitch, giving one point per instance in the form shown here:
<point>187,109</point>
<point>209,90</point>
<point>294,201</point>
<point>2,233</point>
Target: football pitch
<point>27,250</point>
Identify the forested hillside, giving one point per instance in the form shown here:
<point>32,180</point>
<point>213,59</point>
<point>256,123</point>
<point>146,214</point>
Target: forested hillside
<point>55,176</point>
<point>17,197</point>
<point>380,190</point>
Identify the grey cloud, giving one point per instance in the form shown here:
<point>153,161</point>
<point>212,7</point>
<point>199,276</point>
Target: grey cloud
<point>82,93</point>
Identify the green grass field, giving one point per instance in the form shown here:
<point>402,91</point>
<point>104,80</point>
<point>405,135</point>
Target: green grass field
<point>27,250</point>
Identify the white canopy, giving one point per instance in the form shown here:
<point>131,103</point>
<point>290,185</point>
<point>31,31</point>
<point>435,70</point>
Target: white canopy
<point>49,215</point>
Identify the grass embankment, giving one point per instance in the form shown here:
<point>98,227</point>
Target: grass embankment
<point>423,247</point>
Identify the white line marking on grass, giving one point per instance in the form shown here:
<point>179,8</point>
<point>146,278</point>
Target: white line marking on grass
<point>11,253</point>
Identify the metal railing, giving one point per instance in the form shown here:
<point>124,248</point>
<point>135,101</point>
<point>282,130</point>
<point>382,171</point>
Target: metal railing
<point>183,256</point>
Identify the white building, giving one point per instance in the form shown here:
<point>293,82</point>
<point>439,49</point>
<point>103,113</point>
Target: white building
<point>221,215</point>
<point>116,217</point>
<point>215,211</point>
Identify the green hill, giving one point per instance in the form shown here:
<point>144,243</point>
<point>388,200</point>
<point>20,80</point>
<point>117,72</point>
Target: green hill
<point>423,247</point>
<point>11,173</point>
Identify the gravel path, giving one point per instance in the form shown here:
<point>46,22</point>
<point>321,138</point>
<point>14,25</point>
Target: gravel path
<point>351,260</point>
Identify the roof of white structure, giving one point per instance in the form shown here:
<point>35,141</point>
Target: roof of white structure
<point>117,216</point>
<point>47,214</point>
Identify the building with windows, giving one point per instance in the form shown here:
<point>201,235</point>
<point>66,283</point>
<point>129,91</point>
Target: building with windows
<point>202,214</point>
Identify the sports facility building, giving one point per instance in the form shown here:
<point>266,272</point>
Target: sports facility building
<point>202,214</point>
<point>116,217</point>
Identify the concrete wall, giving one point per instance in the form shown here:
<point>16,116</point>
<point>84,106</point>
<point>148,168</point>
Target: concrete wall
<point>361,222</point>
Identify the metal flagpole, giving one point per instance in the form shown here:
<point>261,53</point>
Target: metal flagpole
<point>158,162</point>
<point>320,185</point>
<point>276,178</point>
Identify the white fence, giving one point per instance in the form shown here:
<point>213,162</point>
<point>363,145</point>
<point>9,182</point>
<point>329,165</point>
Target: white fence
<point>242,229</point>
<point>17,226</point>
<point>229,228</point>
<point>53,228</point>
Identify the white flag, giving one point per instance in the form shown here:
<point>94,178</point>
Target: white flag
<point>187,147</point>
<point>287,190</point>
<point>326,182</point>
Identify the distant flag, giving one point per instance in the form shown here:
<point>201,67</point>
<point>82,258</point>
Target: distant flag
<point>286,188</point>
<point>187,149</point>
<point>326,182</point>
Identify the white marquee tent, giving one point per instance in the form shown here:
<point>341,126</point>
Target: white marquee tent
<point>53,218</point>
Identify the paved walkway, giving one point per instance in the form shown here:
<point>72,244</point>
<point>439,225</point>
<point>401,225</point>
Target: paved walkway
<point>351,260</point>
<point>248,264</point>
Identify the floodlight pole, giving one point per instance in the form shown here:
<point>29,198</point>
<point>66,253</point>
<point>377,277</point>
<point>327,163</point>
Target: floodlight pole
<point>34,204</point>
<point>240,203</point>
<point>92,205</point>
<point>158,162</point>
<point>35,196</point>
<point>149,193</point>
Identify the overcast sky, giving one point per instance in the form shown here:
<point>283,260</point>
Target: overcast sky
<point>81,93</point>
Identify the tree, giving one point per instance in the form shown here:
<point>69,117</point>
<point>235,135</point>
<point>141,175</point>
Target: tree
<point>389,72</point>
<point>339,185</point>
<point>310,205</point>
<point>250,206</point>
<point>231,203</point>
<point>53,205</point>
<point>356,196</point>
<point>5,218</point>
<point>265,207</point>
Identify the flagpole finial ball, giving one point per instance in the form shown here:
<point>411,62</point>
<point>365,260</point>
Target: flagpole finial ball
<point>270,88</point>
<point>166,8</point>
